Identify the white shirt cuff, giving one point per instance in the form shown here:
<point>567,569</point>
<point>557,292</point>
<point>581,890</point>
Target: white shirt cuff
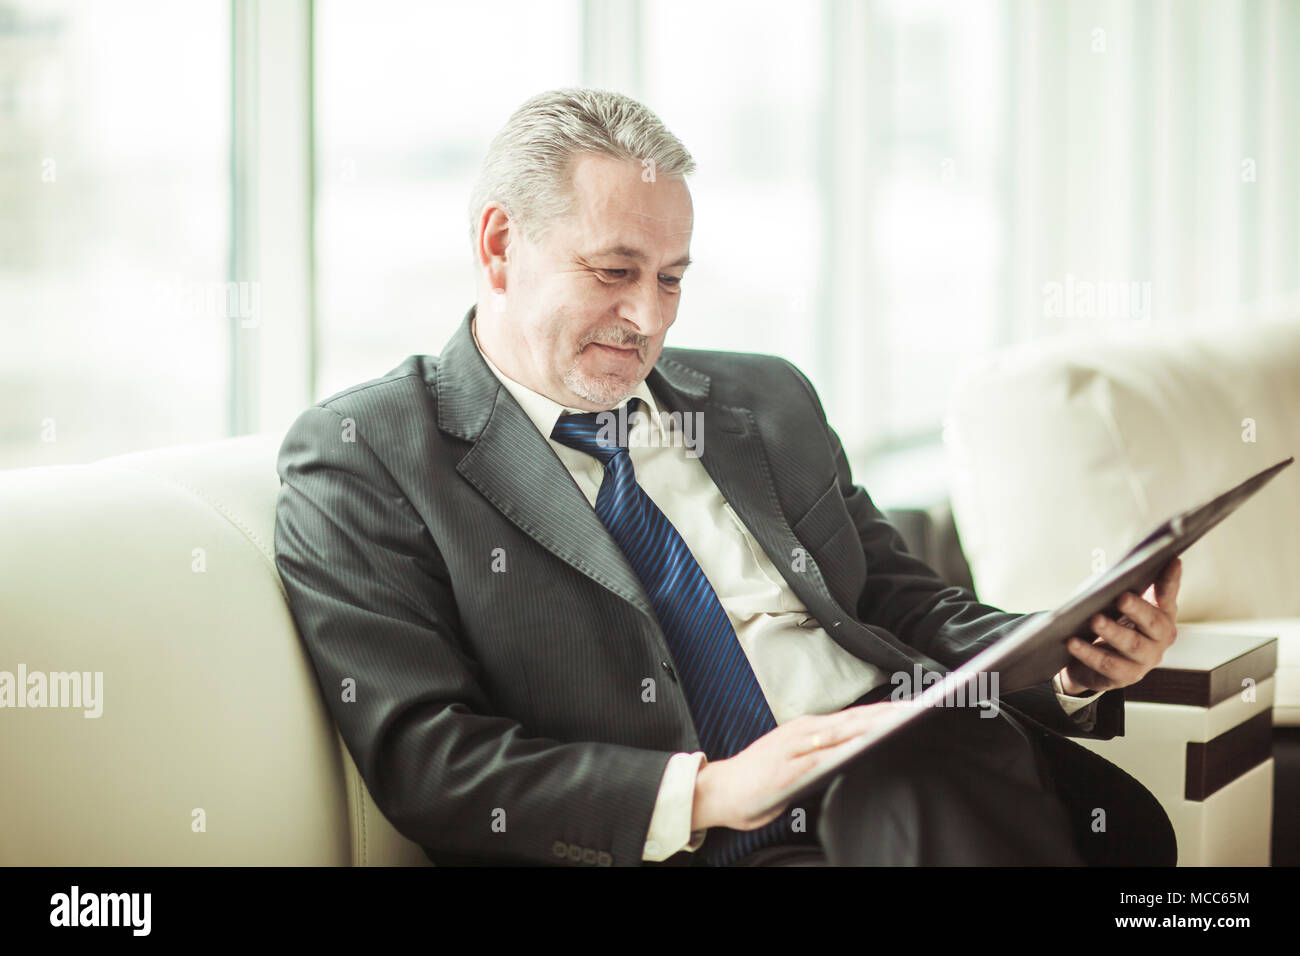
<point>670,824</point>
<point>1068,702</point>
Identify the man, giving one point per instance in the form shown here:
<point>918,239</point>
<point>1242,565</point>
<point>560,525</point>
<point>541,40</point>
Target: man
<point>550,640</point>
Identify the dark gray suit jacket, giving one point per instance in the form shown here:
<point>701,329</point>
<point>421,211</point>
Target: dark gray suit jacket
<point>499,712</point>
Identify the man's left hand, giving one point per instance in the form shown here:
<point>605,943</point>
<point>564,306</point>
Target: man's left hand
<point>1126,650</point>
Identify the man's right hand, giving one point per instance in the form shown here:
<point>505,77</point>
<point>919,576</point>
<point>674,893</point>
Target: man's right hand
<point>729,792</point>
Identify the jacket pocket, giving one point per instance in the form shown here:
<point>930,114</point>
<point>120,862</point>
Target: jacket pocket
<point>826,518</point>
<point>827,531</point>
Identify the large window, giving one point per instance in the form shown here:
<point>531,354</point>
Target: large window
<point>114,185</point>
<point>848,207</point>
<point>886,190</point>
<point>408,95</point>
<point>935,126</point>
<point>742,85</point>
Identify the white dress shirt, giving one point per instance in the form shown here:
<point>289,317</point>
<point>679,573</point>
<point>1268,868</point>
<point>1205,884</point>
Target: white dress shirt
<point>799,667</point>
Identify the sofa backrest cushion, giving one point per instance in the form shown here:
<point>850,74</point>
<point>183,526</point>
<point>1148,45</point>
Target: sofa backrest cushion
<point>1064,456</point>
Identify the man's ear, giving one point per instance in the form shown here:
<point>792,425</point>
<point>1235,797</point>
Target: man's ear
<point>496,235</point>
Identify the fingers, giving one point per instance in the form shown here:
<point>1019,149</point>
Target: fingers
<point>1166,587</point>
<point>1142,620</point>
<point>1125,639</point>
<point>821,731</point>
<point>1150,620</point>
<point>1087,677</point>
<point>1129,648</point>
<point>1105,668</point>
<point>1109,666</point>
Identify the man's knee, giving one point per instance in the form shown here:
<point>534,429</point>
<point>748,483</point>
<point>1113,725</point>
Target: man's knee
<point>955,787</point>
<point>966,735</point>
<point>1116,820</point>
<point>945,747</point>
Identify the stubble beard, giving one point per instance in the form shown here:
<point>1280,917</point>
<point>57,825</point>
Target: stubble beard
<point>603,390</point>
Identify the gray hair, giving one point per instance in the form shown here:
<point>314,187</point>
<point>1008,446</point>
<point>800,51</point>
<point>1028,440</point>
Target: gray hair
<point>526,168</point>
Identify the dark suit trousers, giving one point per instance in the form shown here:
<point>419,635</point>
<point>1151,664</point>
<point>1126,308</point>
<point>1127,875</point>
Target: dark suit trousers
<point>955,788</point>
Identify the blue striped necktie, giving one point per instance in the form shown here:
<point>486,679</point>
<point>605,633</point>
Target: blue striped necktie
<point>724,696</point>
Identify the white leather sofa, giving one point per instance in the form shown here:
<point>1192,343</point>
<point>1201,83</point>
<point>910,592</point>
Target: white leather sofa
<point>1062,456</point>
<point>213,744</point>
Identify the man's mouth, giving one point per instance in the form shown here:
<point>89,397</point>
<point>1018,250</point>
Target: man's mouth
<point>615,349</point>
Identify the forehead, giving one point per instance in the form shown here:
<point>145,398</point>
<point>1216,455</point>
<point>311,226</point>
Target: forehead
<point>615,204</point>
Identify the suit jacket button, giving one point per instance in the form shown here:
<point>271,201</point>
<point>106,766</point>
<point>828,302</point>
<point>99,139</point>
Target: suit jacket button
<point>669,668</point>
<point>604,859</point>
<point>575,852</point>
<point>560,848</point>
<point>589,855</point>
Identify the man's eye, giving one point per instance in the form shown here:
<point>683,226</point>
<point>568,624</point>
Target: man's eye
<point>615,274</point>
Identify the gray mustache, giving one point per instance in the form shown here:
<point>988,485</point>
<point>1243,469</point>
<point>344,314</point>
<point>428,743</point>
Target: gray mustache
<point>636,341</point>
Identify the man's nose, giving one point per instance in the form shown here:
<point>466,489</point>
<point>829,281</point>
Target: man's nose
<point>644,308</point>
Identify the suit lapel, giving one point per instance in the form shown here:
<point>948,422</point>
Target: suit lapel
<point>516,469</point>
<point>733,452</point>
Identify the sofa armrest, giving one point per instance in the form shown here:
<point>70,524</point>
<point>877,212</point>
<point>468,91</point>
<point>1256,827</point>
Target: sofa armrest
<point>931,535</point>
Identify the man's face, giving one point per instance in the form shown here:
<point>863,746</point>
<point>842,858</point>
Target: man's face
<point>589,305</point>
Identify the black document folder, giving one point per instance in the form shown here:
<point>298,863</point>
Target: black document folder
<point>1036,651</point>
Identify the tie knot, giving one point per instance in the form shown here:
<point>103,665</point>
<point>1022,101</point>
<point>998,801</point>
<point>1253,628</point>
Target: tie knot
<point>602,435</point>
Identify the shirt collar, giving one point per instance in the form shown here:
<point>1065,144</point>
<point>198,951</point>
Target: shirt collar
<point>544,412</point>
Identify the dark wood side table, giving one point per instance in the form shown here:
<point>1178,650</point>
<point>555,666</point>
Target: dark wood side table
<point>1198,734</point>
